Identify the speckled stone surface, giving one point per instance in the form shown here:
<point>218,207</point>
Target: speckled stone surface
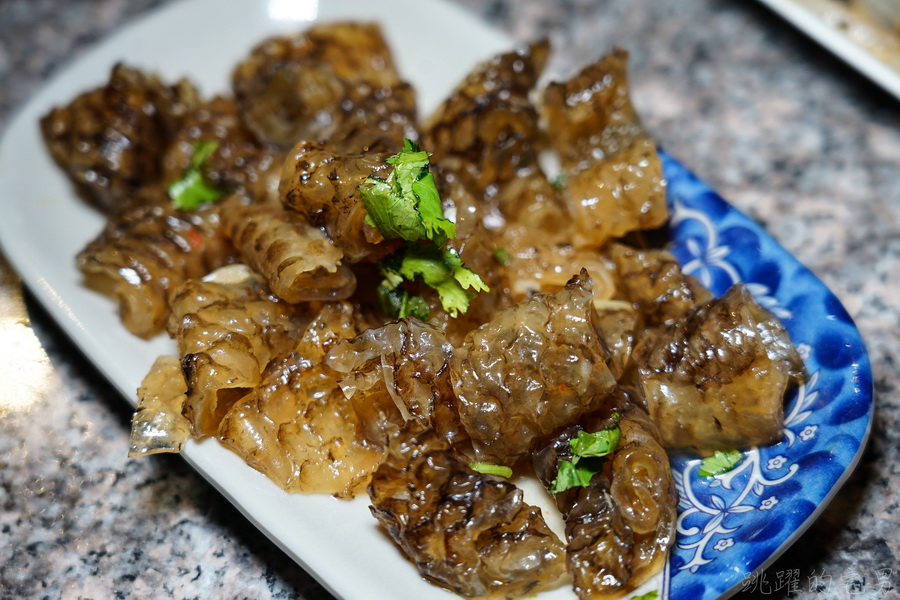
<point>782,129</point>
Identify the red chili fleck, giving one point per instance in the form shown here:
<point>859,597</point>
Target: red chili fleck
<point>194,239</point>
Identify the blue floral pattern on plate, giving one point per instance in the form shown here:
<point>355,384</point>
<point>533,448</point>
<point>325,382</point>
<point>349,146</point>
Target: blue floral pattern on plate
<point>732,525</point>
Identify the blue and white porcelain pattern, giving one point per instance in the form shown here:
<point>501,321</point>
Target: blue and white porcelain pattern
<point>733,525</point>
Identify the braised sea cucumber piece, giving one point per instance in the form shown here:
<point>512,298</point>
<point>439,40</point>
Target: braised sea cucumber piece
<point>297,260</point>
<point>620,525</point>
<point>332,81</point>
<point>110,140</point>
<point>228,327</point>
<point>296,426</point>
<point>321,183</point>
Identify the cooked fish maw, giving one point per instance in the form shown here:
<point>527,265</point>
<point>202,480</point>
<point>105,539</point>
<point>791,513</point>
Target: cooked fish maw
<point>613,175</point>
<point>531,369</point>
<point>110,140</point>
<point>158,424</point>
<point>292,88</point>
<point>468,532</point>
<point>297,427</point>
<point>239,162</point>
<point>297,260</point>
<point>142,255</point>
<point>322,185</point>
<point>227,332</point>
<point>716,377</point>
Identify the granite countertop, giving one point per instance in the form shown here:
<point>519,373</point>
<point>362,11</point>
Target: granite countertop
<point>778,126</point>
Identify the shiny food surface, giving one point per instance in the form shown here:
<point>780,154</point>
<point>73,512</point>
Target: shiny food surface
<point>818,168</point>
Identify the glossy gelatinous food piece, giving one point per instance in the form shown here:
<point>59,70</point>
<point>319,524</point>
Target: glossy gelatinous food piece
<point>297,427</point>
<point>142,255</point>
<point>228,328</point>
<point>716,377</point>
<point>468,532</point>
<point>531,369</point>
<point>239,161</point>
<point>654,282</point>
<point>110,140</point>
<point>158,424</point>
<point>486,135</point>
<point>620,526</point>
<point>620,324</point>
<point>297,260</point>
<point>292,88</point>
<point>537,263</point>
<point>409,356</point>
<point>613,176</point>
<point>321,184</point>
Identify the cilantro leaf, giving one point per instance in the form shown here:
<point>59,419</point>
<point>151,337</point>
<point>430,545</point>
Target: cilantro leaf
<point>491,469</point>
<point>720,462</point>
<point>600,443</point>
<point>502,256</point>
<point>574,474</point>
<point>397,303</point>
<point>193,189</point>
<point>588,455</point>
<point>648,596</point>
<point>407,204</point>
<point>444,272</point>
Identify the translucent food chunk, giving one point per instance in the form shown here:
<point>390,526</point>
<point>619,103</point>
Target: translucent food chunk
<point>296,426</point>
<point>297,260</point>
<point>716,377</point>
<point>531,369</point>
<point>143,254</point>
<point>307,86</point>
<point>158,424</point>
<point>228,329</point>
<point>613,176</point>
<point>620,526</point>
<point>321,184</point>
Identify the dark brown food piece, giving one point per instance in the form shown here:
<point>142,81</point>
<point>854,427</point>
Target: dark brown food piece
<point>486,139</point>
<point>716,377</point>
<point>653,281</point>
<point>142,255</point>
<point>335,77</point>
<point>321,184</point>
<point>239,163</point>
<point>110,140</point>
<point>619,527</point>
<point>531,369</point>
<point>468,532</point>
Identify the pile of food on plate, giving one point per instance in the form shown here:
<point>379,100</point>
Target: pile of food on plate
<point>366,302</point>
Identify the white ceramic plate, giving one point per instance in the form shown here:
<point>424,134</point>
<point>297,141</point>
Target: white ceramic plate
<point>849,34</point>
<point>44,226</point>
